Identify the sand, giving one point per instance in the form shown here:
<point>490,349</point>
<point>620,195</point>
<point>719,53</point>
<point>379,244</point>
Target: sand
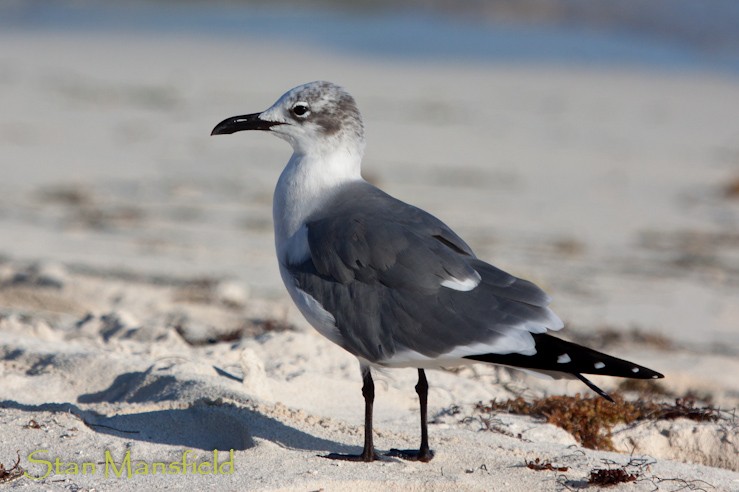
<point>141,309</point>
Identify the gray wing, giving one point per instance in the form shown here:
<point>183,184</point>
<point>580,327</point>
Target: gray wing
<point>397,281</point>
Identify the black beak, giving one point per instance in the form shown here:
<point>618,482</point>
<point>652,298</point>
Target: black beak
<point>241,123</point>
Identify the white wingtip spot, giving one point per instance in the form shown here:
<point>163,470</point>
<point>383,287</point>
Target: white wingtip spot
<point>599,365</point>
<point>463,285</point>
<point>655,377</point>
<point>563,359</point>
<point>634,369</point>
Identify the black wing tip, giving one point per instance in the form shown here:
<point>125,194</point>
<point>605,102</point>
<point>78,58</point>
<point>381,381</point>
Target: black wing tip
<point>614,368</point>
<point>639,372</point>
<point>585,362</point>
<point>593,387</point>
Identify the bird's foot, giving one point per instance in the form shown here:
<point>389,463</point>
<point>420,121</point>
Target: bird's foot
<point>365,456</point>
<point>423,455</point>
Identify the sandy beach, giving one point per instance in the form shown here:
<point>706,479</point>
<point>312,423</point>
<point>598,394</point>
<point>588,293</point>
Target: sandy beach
<point>142,313</point>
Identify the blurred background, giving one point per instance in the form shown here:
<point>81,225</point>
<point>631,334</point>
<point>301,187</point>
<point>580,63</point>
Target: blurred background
<point>667,33</point>
<point>591,146</point>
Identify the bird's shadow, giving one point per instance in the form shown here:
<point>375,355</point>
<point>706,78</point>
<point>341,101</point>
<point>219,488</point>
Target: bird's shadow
<point>202,425</point>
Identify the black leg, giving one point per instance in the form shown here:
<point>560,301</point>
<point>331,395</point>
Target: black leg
<point>368,453</point>
<point>422,388</point>
<point>424,453</point>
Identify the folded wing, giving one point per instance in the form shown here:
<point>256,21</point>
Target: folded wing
<point>404,289</point>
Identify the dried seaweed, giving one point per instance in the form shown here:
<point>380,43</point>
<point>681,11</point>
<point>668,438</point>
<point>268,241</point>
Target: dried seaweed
<point>591,419</point>
<point>538,465</point>
<point>10,474</point>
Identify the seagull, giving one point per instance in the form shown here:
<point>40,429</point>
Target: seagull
<point>390,283</point>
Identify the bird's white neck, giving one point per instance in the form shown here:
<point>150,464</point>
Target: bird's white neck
<point>306,182</point>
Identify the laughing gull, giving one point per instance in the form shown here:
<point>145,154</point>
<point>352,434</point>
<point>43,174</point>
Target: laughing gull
<point>389,282</point>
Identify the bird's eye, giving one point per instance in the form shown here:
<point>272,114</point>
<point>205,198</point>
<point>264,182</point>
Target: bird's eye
<point>300,109</point>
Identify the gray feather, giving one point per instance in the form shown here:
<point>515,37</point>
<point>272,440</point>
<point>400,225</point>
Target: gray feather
<point>377,265</point>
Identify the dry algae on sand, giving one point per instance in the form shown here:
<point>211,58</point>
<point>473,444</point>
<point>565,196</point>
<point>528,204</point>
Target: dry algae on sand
<point>590,419</point>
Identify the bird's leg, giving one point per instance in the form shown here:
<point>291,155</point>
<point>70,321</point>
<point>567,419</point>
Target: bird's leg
<point>422,388</point>
<point>424,453</point>
<point>368,453</point>
<point>368,392</point>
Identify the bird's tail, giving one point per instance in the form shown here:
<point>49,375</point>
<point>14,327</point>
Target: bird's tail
<point>554,354</point>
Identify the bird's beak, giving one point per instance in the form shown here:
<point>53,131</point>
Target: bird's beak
<point>241,123</point>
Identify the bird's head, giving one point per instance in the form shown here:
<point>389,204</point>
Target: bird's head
<point>313,117</point>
